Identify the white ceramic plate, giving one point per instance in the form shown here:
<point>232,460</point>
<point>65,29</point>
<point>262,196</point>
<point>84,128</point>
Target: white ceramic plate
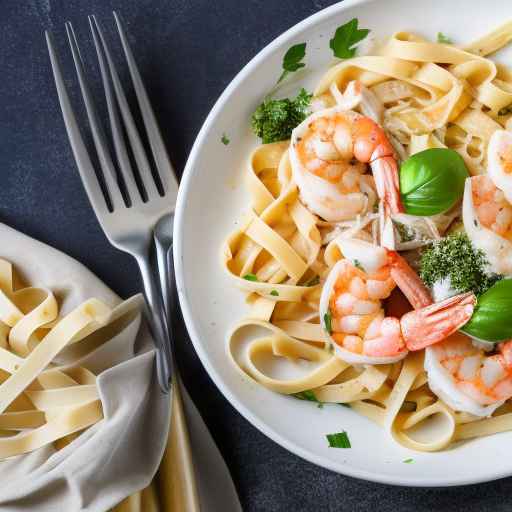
<point>211,199</point>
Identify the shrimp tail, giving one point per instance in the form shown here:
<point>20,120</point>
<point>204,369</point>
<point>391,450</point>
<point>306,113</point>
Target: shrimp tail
<point>436,322</point>
<point>385,172</point>
<point>408,281</point>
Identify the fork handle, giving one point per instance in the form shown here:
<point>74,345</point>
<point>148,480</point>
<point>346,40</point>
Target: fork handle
<point>177,472</point>
<point>158,324</point>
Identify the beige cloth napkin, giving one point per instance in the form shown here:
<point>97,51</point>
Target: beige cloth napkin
<point>119,455</point>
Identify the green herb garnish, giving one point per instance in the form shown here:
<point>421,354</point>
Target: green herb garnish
<point>405,233</point>
<point>328,322</point>
<point>358,265</point>
<point>491,317</point>
<point>345,37</point>
<point>274,120</point>
<point>224,139</point>
<point>292,60</point>
<point>275,293</point>
<point>338,440</point>
<point>310,397</point>
<point>455,258</point>
<point>441,38</point>
<point>251,277</point>
<point>408,461</point>
<point>432,181</point>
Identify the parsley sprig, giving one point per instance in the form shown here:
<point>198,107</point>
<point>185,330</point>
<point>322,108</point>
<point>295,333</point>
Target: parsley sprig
<point>454,257</point>
<point>346,37</point>
<point>292,60</point>
<point>274,120</point>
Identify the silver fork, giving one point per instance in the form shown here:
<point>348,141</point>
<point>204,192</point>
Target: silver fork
<point>128,221</point>
<point>133,226</point>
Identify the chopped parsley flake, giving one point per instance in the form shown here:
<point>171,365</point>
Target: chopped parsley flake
<point>224,139</point>
<point>328,322</point>
<point>251,277</point>
<point>441,38</point>
<point>358,265</point>
<point>454,257</point>
<point>405,233</point>
<point>310,397</point>
<point>338,440</point>
<point>346,37</point>
<point>275,293</point>
<point>274,120</point>
<point>408,461</point>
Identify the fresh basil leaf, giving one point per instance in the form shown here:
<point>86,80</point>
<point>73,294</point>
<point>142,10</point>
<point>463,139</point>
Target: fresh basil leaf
<point>338,440</point>
<point>345,37</point>
<point>491,320</point>
<point>432,181</point>
<point>251,277</point>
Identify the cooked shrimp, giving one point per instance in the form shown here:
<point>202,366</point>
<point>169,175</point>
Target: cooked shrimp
<point>492,208</point>
<point>487,208</point>
<point>467,378</point>
<point>329,154</point>
<point>352,300</point>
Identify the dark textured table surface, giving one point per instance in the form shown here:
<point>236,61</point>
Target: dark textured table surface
<point>188,51</point>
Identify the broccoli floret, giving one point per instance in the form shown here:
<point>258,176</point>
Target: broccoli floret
<point>274,120</point>
<point>455,258</point>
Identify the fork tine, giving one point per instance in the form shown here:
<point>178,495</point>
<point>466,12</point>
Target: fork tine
<point>163,163</point>
<point>100,141</point>
<point>133,135</point>
<point>84,164</point>
<point>115,123</point>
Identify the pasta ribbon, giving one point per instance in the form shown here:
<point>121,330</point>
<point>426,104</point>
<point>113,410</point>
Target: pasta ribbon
<point>41,403</point>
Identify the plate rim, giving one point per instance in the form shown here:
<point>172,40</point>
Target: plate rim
<point>178,236</point>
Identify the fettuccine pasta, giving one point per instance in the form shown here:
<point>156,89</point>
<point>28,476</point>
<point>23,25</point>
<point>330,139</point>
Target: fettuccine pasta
<point>425,95</point>
<point>41,402</point>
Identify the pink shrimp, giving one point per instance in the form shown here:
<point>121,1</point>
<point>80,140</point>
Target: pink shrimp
<point>329,154</point>
<point>467,378</point>
<point>352,299</point>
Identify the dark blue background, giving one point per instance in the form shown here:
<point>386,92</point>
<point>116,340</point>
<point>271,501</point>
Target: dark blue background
<point>188,51</point>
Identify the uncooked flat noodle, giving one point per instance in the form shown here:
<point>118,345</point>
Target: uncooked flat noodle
<point>41,403</point>
<point>423,87</point>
